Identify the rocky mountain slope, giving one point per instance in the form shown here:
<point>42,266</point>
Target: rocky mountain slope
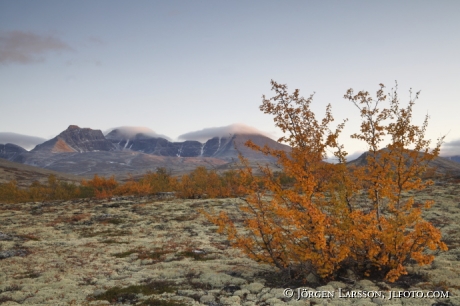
<point>76,139</point>
<point>455,158</point>
<point>219,147</point>
<point>83,151</point>
<point>12,152</point>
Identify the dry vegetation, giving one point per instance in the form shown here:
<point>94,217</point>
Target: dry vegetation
<point>143,250</point>
<point>380,226</point>
<point>199,183</point>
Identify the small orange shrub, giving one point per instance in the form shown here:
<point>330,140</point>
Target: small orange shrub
<point>334,216</point>
<point>103,187</point>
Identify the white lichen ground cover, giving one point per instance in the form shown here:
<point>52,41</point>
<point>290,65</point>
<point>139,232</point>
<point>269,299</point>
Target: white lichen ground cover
<point>164,252</point>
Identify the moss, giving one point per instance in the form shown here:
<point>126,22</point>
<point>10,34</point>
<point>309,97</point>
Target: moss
<point>142,254</point>
<point>4,299</point>
<point>113,241</point>
<point>157,302</point>
<point>107,233</point>
<point>125,254</point>
<point>29,237</point>
<point>30,275</point>
<point>157,255</point>
<point>115,221</point>
<point>195,255</point>
<point>129,294</point>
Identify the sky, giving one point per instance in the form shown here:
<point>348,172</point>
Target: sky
<point>181,67</point>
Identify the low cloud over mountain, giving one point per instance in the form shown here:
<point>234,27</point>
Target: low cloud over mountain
<point>451,148</point>
<point>129,132</point>
<point>25,141</point>
<point>223,131</point>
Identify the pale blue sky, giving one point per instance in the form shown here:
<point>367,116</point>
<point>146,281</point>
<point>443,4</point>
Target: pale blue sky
<point>182,66</point>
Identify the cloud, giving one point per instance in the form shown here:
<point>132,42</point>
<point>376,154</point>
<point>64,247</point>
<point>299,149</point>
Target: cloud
<point>130,131</point>
<point>350,157</point>
<point>208,133</point>
<point>26,47</point>
<point>451,148</point>
<point>25,141</point>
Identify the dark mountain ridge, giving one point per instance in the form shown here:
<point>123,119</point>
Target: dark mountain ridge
<point>12,152</point>
<point>83,151</point>
<point>76,139</point>
<point>219,147</point>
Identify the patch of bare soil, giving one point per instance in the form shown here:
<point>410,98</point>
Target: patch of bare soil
<point>146,251</point>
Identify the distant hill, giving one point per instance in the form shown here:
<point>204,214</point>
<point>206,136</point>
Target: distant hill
<point>441,164</point>
<point>455,158</point>
<point>117,163</point>
<point>25,174</point>
<point>12,152</point>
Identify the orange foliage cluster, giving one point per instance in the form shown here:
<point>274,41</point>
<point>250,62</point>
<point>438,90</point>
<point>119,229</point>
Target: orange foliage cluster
<point>53,189</point>
<point>337,217</point>
<point>198,184</point>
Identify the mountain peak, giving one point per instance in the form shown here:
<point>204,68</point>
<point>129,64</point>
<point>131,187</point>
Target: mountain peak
<point>76,139</point>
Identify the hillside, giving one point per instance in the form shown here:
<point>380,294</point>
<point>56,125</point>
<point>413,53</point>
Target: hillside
<point>442,165</point>
<point>25,174</point>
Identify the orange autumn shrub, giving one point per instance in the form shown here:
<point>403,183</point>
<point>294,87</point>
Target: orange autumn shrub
<point>337,217</point>
<point>11,193</point>
<point>133,188</point>
<point>51,190</point>
<point>102,187</point>
<point>159,181</point>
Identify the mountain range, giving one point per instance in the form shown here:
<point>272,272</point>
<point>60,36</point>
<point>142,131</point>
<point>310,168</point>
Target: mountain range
<point>85,152</point>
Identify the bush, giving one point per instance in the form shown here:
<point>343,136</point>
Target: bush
<point>336,217</point>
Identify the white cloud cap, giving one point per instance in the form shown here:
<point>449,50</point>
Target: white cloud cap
<point>128,132</point>
<point>223,131</point>
<point>25,141</point>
